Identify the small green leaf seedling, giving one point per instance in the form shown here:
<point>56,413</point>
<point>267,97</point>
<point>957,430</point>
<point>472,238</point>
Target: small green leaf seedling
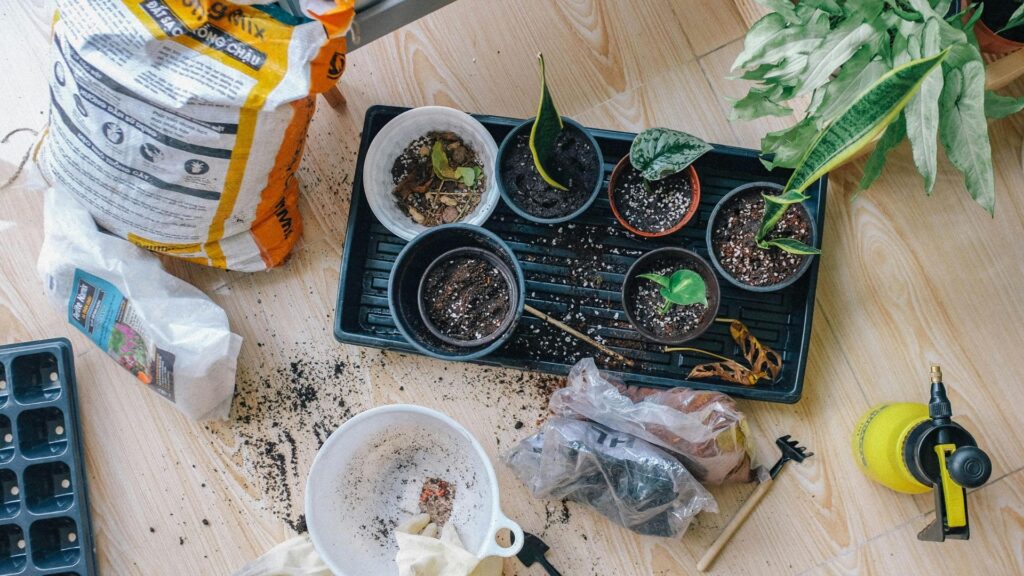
<point>443,169</point>
<point>660,152</point>
<point>682,288</point>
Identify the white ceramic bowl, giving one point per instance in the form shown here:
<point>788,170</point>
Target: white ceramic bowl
<point>388,144</point>
<point>368,476</point>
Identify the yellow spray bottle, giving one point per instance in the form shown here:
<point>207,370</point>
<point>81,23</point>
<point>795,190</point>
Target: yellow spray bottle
<point>913,448</point>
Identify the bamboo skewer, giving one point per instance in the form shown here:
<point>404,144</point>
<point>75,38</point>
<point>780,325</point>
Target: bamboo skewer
<point>578,334</point>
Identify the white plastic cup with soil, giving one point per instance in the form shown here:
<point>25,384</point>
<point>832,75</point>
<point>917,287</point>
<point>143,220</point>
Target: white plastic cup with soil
<point>576,162</point>
<point>732,248</point>
<point>409,280</point>
<point>402,185</point>
<point>652,210</point>
<point>368,478</point>
<point>649,312</point>
<point>466,297</point>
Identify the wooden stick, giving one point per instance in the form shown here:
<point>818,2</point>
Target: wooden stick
<point>734,525</point>
<point>580,335</point>
<point>334,97</point>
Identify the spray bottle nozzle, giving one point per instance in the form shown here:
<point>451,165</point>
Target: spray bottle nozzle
<point>939,408</point>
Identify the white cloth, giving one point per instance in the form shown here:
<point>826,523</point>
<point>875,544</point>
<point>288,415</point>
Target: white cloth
<point>420,554</point>
<point>295,557</point>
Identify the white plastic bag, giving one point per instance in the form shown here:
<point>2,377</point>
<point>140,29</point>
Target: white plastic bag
<point>170,335</point>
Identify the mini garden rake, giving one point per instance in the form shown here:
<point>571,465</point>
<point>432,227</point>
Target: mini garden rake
<point>791,450</point>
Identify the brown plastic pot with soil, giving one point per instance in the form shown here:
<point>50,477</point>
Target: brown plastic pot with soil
<point>654,190</point>
<point>670,295</point>
<point>989,29</point>
<point>466,297</point>
<point>732,240</point>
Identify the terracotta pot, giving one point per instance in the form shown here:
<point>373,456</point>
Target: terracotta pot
<point>694,186</point>
<point>992,43</point>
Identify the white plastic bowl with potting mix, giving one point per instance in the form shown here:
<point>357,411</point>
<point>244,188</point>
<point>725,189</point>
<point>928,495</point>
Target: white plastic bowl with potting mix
<point>367,479</point>
<point>392,140</point>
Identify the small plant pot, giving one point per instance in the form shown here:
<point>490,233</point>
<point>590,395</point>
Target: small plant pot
<point>578,164</point>
<point>411,267</point>
<point>793,270</point>
<point>390,143</point>
<point>626,200</point>
<point>640,298</point>
<point>474,274</point>
<point>994,16</point>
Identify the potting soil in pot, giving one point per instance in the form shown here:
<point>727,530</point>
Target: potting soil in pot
<point>733,236</point>
<point>573,163</point>
<point>653,209</point>
<point>466,298</point>
<point>428,199</point>
<point>647,303</point>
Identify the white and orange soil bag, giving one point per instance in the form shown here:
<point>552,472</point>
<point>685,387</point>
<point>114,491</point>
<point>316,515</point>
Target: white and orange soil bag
<point>180,124</point>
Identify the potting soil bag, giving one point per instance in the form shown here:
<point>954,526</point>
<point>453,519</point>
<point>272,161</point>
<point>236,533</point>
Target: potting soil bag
<point>630,481</point>
<point>704,429</point>
<point>180,124</point>
<point>166,332</point>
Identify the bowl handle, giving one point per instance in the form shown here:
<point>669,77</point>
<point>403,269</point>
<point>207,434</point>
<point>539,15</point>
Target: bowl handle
<point>495,549</point>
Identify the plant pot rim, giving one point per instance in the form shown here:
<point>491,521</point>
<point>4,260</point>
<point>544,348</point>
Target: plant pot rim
<point>690,212</point>
<point>507,197</point>
<point>991,42</point>
<point>507,275</point>
<point>393,295</point>
<point>706,272</point>
<point>804,267</point>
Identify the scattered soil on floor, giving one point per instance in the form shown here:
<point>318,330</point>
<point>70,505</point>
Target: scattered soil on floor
<point>646,303</point>
<point>426,198</point>
<point>467,298</point>
<point>652,206</point>
<point>573,164</point>
<point>735,228</point>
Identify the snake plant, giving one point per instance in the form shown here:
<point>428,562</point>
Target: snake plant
<point>830,51</point>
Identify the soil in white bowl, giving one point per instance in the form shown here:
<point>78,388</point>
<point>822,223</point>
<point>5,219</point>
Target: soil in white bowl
<point>425,197</point>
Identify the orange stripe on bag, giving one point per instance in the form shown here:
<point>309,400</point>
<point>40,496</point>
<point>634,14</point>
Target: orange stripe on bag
<point>277,225</point>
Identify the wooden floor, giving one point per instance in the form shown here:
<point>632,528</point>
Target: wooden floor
<point>905,281</point>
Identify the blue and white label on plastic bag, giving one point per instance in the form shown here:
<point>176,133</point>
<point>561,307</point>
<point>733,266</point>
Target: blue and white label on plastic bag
<point>103,314</point>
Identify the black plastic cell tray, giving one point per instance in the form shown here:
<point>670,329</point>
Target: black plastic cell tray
<point>44,510</point>
<point>551,259</point>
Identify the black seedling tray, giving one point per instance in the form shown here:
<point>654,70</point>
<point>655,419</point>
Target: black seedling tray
<point>575,270</point>
<point>44,511</point>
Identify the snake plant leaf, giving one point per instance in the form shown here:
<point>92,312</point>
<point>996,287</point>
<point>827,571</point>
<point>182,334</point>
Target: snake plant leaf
<point>546,128</point>
<point>774,208</point>
<point>868,116</point>
<point>891,138</point>
<point>791,197</point>
<point>999,106</point>
<point>660,152</point>
<point>964,131</point>
<point>791,245</point>
<point>922,112</point>
<point>1016,19</point>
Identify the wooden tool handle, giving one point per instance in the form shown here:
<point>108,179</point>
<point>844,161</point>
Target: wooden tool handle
<point>734,525</point>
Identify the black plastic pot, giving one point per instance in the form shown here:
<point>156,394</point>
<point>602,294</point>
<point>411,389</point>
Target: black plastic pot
<point>503,269</point>
<point>411,266</point>
<point>506,195</point>
<point>649,261</point>
<point>808,260</point>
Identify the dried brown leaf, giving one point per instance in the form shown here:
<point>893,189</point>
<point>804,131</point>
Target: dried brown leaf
<point>763,360</point>
<point>729,370</point>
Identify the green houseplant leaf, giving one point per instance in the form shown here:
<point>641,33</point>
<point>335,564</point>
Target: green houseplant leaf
<point>792,245</point>
<point>999,106</point>
<point>964,131</point>
<point>922,112</point>
<point>546,128</point>
<point>443,168</point>
<point>660,152</point>
<point>683,287</point>
<point>891,138</point>
<point>1016,19</point>
<point>868,116</point>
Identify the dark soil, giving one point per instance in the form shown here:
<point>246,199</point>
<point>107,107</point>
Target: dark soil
<point>466,298</point>
<point>997,13</point>
<point>573,163</point>
<point>427,199</point>
<point>653,209</point>
<point>436,499</point>
<point>735,228</point>
<point>647,303</point>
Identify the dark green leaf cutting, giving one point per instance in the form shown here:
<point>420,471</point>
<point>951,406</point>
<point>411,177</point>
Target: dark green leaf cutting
<point>660,152</point>
<point>546,128</point>
<point>683,287</point>
<point>791,245</point>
